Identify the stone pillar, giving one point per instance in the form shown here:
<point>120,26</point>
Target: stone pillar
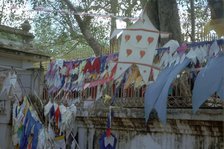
<point>82,137</point>
<point>91,133</point>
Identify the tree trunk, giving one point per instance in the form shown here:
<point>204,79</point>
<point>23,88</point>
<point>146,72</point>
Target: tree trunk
<point>217,16</point>
<point>113,42</point>
<point>217,9</point>
<point>153,12</point>
<point>85,31</point>
<point>192,20</point>
<point>164,15</point>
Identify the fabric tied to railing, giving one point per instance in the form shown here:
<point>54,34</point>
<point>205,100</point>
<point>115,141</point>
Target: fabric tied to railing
<point>157,94</point>
<point>209,80</point>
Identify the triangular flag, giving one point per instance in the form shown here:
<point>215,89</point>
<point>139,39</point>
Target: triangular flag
<point>121,68</point>
<point>144,71</point>
<point>214,49</point>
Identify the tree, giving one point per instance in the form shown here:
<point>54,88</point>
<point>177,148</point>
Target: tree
<point>217,16</point>
<point>113,9</point>
<point>197,17</point>
<point>64,34</point>
<point>60,32</point>
<point>93,43</point>
<point>9,16</point>
<point>164,15</point>
<point>83,27</point>
<point>69,38</point>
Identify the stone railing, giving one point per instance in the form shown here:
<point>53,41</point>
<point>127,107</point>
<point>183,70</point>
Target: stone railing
<point>179,96</point>
<point>173,102</point>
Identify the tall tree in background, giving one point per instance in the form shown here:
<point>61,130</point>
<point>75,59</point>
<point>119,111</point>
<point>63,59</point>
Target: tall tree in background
<point>217,9</point>
<point>192,16</point>
<point>217,17</point>
<point>199,17</point>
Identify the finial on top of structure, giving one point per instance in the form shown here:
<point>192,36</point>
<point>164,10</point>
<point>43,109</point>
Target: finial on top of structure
<point>26,26</point>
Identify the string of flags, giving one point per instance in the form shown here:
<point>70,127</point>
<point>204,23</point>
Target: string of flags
<point>60,118</point>
<point>30,130</point>
<point>135,64</point>
<point>67,11</point>
<point>81,74</point>
<point>173,59</point>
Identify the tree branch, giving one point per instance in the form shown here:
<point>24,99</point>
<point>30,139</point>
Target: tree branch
<point>85,31</point>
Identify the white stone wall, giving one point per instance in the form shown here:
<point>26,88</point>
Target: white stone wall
<point>89,139</point>
<point>29,82</point>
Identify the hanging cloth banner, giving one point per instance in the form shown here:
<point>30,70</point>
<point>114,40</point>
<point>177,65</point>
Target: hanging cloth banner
<point>138,46</point>
<point>157,94</point>
<point>209,80</point>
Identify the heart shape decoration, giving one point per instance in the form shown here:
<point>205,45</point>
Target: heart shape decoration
<point>128,51</point>
<point>127,37</point>
<point>142,53</point>
<point>150,39</point>
<point>138,38</point>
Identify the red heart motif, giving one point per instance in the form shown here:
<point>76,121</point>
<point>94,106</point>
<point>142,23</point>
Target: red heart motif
<point>138,37</point>
<point>142,53</point>
<point>150,40</point>
<point>127,37</point>
<point>128,51</point>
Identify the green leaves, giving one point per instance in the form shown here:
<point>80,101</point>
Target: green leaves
<point>58,34</point>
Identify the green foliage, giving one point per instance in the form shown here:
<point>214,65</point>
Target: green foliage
<point>60,33</point>
<point>9,16</point>
<point>57,33</point>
